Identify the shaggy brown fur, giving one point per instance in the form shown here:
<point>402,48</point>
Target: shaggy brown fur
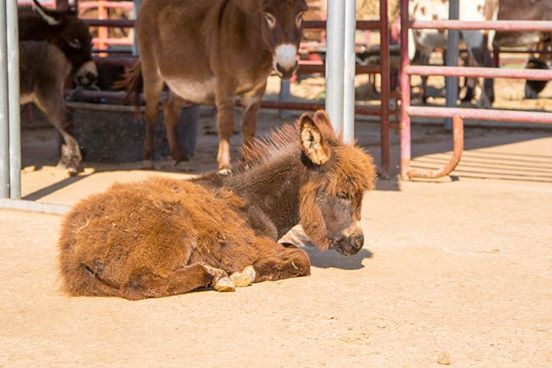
<point>163,236</point>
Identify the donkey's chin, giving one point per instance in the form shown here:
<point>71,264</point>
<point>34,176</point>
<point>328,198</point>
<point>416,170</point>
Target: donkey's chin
<point>285,73</point>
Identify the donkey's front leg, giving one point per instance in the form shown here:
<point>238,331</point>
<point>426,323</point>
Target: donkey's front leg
<point>153,85</point>
<point>224,99</point>
<point>53,106</point>
<point>172,110</point>
<point>251,103</point>
<point>277,262</point>
<point>144,284</point>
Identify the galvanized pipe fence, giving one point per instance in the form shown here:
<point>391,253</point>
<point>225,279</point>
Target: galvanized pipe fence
<point>10,129</point>
<point>340,70</point>
<point>457,114</point>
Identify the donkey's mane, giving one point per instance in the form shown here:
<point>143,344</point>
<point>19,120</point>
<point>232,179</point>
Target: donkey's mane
<point>280,142</point>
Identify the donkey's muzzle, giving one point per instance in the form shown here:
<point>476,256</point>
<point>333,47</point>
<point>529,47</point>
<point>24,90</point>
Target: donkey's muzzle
<point>87,74</point>
<point>286,73</point>
<point>86,79</point>
<point>350,246</point>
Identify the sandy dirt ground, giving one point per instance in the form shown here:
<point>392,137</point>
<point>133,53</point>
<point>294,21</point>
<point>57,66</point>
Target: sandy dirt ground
<point>462,266</point>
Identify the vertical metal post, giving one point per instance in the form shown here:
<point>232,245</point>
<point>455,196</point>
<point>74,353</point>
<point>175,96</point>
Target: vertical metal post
<point>453,37</point>
<point>4,132</point>
<point>13,99</point>
<point>385,88</point>
<point>284,95</point>
<point>349,72</point>
<point>334,62</point>
<point>405,93</point>
<point>137,4</point>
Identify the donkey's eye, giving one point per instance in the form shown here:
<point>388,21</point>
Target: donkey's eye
<point>270,20</point>
<point>76,44</point>
<point>343,195</point>
<point>299,20</point>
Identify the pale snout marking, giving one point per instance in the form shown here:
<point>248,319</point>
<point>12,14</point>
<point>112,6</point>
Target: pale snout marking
<point>285,55</point>
<point>354,229</point>
<point>88,67</point>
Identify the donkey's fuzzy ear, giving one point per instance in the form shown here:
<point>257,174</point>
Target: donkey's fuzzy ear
<point>322,119</point>
<point>48,15</point>
<point>315,145</point>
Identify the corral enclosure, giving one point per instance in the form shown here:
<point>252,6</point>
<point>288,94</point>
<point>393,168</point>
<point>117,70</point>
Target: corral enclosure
<point>461,267</point>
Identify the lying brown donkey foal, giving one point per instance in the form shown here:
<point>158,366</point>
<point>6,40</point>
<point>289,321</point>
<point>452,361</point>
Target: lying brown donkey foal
<point>163,236</point>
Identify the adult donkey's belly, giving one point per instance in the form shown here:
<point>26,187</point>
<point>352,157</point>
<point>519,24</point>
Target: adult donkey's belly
<point>201,92</point>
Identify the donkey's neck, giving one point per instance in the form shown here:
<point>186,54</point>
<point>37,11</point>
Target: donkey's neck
<point>273,188</point>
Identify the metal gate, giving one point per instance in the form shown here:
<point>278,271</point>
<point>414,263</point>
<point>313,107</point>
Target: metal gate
<point>458,114</point>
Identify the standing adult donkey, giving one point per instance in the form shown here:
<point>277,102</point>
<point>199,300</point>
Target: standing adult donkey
<point>209,51</point>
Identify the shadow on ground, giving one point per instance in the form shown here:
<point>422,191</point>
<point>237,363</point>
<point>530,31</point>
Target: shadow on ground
<point>332,259</point>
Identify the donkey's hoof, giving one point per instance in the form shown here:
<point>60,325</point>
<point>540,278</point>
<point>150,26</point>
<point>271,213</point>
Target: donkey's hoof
<point>225,172</point>
<point>70,171</point>
<point>249,271</point>
<point>224,284</point>
<point>244,278</point>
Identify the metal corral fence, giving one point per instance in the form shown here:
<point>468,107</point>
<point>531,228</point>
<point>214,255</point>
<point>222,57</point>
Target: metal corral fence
<point>339,69</point>
<point>458,114</point>
<point>341,26</point>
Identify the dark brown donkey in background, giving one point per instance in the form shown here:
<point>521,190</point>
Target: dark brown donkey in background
<point>54,46</point>
<point>207,52</point>
<point>165,236</point>
<point>43,70</point>
<point>64,30</point>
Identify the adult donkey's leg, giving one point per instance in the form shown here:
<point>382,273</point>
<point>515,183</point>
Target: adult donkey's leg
<point>251,104</point>
<point>153,85</point>
<point>53,107</point>
<point>172,110</point>
<point>224,99</point>
<point>278,262</point>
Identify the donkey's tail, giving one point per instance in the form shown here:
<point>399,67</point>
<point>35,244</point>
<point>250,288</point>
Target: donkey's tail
<point>132,83</point>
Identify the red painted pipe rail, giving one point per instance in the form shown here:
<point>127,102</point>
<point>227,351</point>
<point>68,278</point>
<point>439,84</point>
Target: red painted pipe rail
<point>458,149</point>
<point>126,5</point>
<point>499,25</point>
<point>304,67</point>
<point>514,116</point>
<point>462,71</point>
<point>119,23</point>
<point>362,25</point>
<point>118,96</point>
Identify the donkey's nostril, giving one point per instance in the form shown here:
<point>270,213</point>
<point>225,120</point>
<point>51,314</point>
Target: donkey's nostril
<point>358,241</point>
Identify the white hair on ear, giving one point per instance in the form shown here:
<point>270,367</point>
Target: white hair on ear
<point>49,19</point>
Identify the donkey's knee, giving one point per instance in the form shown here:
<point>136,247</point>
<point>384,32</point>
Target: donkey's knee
<point>289,262</point>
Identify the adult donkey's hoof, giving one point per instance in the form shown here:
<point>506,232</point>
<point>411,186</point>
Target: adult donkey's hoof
<point>224,284</point>
<point>225,172</point>
<point>68,169</point>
